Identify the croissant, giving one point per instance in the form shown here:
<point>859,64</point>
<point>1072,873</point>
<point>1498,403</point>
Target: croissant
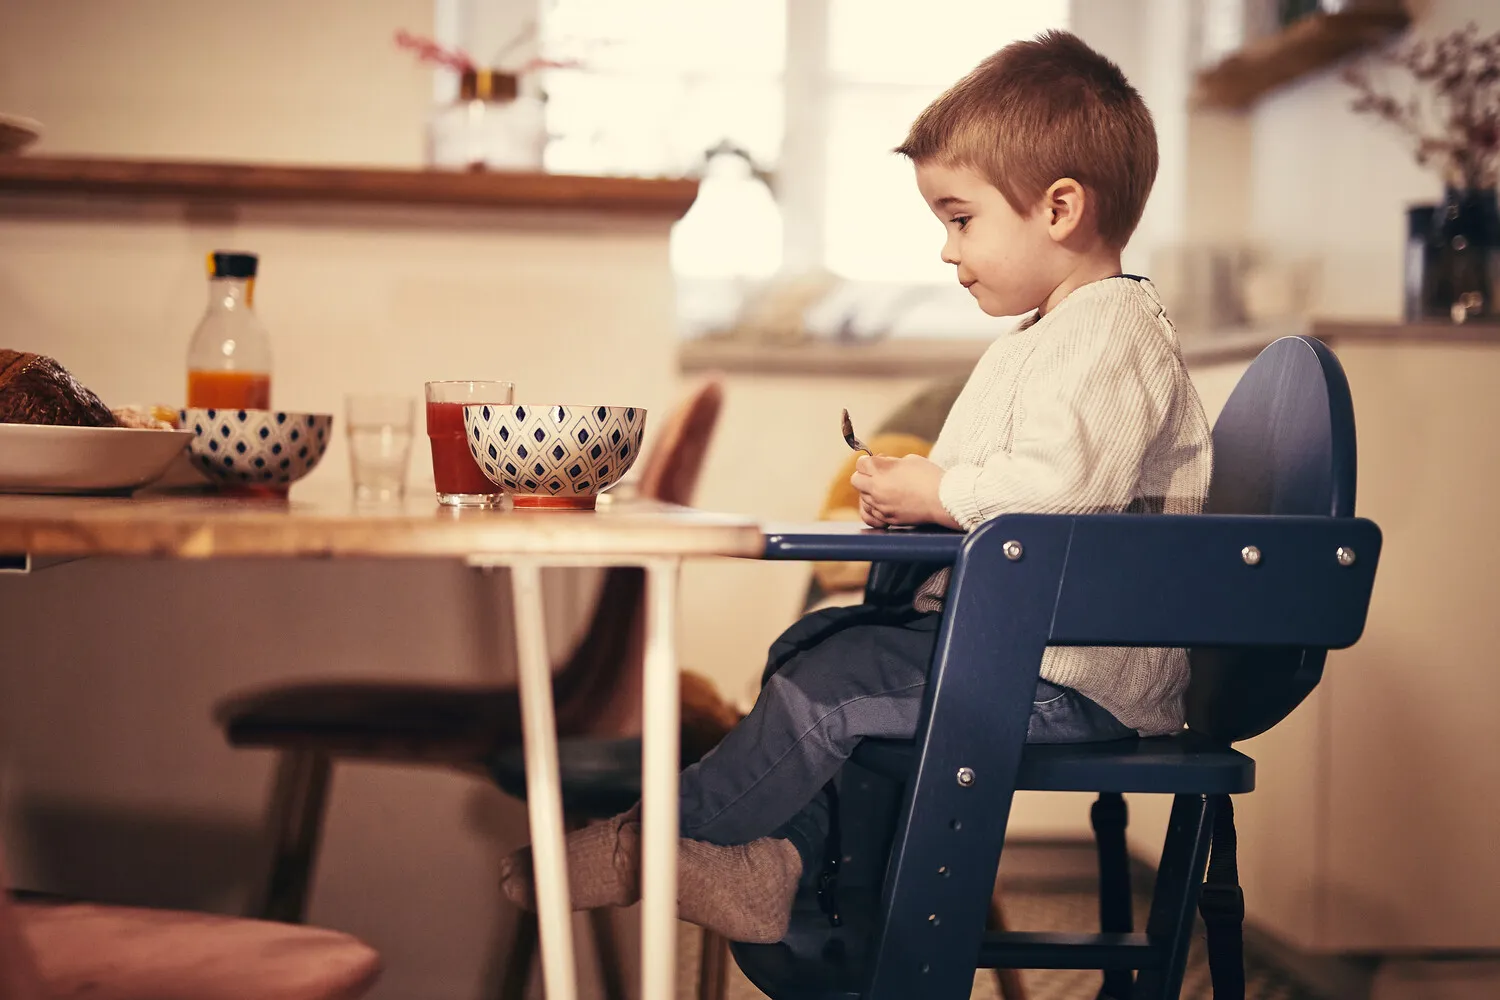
<point>37,390</point>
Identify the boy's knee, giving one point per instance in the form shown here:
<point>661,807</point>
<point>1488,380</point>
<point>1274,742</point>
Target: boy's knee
<point>808,636</point>
<point>801,681</point>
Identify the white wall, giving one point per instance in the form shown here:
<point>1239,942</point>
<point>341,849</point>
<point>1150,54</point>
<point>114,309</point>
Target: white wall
<point>274,81</point>
<point>1149,40</point>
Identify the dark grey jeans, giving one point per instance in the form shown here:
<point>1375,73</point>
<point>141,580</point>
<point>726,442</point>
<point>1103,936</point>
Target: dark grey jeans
<point>832,679</point>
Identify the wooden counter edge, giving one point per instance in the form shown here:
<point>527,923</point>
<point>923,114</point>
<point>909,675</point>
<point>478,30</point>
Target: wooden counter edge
<point>918,357</point>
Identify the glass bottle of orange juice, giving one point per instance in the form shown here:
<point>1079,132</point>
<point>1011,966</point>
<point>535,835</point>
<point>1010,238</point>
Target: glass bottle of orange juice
<point>229,359</point>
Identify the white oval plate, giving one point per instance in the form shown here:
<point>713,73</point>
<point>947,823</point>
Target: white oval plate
<point>42,458</point>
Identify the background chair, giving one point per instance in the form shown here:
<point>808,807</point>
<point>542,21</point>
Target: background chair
<point>1274,574</point>
<point>58,951</point>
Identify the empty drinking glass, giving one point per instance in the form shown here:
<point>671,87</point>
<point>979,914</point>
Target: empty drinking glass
<point>380,433</point>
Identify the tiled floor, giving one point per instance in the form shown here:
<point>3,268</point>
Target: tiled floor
<point>1066,910</point>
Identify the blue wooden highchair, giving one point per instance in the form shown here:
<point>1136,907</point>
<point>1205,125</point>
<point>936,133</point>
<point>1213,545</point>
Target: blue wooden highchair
<point>1275,573</point>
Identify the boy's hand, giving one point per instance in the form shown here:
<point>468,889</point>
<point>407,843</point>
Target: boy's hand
<point>899,491</point>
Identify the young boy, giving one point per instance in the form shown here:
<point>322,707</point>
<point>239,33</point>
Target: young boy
<point>1038,164</point>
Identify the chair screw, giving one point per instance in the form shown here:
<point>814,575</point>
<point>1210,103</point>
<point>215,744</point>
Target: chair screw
<point>1345,555</point>
<point>966,776</point>
<point>1251,555</point>
<point>1013,550</point>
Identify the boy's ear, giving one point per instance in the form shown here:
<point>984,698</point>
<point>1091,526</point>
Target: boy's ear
<point>1064,203</point>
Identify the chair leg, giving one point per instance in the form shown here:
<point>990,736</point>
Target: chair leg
<point>1109,816</point>
<point>1012,987</point>
<point>713,967</point>
<point>298,801</point>
<point>518,962</point>
<point>523,952</point>
<point>1179,882</point>
<point>607,954</point>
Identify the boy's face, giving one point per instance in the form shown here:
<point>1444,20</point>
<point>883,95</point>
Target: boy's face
<point>1007,261</point>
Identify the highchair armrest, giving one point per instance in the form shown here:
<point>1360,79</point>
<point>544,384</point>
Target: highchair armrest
<point>1143,579</point>
<point>1182,580</point>
<point>847,541</point>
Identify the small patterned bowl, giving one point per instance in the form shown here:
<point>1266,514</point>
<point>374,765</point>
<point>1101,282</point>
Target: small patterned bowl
<point>266,449</point>
<point>559,457</point>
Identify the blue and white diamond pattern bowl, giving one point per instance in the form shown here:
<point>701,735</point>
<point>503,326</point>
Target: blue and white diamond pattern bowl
<point>556,456</point>
<point>264,449</point>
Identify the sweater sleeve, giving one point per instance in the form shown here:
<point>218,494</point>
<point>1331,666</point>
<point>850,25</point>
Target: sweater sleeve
<point>1093,398</point>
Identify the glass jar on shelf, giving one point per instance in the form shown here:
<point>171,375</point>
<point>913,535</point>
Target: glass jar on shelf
<point>495,124</point>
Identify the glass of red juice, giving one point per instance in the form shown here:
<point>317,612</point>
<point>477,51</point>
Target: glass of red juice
<point>460,481</point>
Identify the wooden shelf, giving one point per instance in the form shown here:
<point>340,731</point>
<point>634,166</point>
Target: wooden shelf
<point>617,196</point>
<point>1309,44</point>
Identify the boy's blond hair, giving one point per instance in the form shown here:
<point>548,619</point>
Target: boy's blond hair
<point>1038,111</point>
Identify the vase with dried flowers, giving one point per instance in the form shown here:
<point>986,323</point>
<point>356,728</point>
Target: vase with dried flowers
<point>1450,108</point>
<point>497,120</point>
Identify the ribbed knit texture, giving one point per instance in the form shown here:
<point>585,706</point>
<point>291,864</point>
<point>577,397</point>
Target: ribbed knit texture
<point>1087,410</point>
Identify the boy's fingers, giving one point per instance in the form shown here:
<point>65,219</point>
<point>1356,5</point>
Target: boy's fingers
<point>864,465</point>
<point>860,481</point>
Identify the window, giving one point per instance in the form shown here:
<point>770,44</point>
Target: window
<point>885,62</point>
<point>665,80</point>
<point>817,92</point>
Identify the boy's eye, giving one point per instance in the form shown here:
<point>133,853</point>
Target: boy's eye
<point>963,221</point>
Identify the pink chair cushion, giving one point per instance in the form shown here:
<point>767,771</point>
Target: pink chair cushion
<point>119,953</point>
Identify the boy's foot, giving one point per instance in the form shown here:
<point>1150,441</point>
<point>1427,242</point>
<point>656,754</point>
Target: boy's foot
<point>604,866</point>
<point>744,892</point>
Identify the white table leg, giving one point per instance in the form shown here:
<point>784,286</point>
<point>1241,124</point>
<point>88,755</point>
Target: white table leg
<point>543,785</point>
<point>659,769</point>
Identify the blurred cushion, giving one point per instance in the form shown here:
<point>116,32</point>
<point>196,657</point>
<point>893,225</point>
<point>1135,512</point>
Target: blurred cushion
<point>123,953</point>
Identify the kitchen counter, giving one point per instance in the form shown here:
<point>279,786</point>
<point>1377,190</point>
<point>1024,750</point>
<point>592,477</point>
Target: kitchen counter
<point>940,357</point>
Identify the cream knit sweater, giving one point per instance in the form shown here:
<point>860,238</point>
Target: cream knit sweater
<point>1086,410</point>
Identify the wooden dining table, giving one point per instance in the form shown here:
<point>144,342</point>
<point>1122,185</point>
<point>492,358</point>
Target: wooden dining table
<point>37,530</point>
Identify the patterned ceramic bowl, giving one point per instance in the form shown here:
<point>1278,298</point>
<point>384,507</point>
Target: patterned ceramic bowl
<point>267,449</point>
<point>554,456</point>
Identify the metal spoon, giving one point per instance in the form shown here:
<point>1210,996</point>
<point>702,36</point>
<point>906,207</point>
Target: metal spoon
<point>853,442</point>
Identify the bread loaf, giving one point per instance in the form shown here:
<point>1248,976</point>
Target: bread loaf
<point>37,390</point>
